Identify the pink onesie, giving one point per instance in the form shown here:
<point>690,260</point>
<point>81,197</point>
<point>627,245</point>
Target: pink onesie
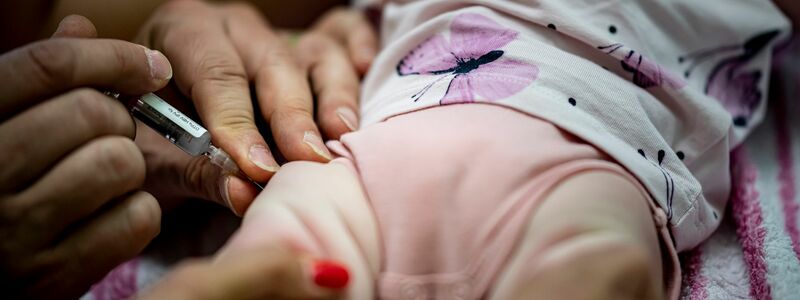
<point>666,88</point>
<point>453,187</point>
<point>475,109</point>
<point>657,91</point>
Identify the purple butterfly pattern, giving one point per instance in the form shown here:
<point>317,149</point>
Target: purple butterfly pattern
<point>472,60</point>
<point>646,73</point>
<point>734,87</point>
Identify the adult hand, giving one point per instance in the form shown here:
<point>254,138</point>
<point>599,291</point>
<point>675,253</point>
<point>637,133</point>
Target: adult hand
<point>273,273</point>
<point>336,52</point>
<point>68,206</point>
<point>217,51</point>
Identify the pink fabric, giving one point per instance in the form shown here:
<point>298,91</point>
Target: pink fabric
<point>749,221</point>
<point>120,283</point>
<point>471,60</point>
<point>474,35</point>
<point>610,74</point>
<point>786,176</point>
<point>695,280</point>
<point>453,187</point>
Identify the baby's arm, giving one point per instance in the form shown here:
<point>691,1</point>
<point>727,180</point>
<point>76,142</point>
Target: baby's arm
<point>593,237</point>
<point>319,209</point>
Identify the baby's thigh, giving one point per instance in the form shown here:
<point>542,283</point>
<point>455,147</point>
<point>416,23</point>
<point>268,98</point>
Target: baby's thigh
<point>318,209</point>
<point>592,237</point>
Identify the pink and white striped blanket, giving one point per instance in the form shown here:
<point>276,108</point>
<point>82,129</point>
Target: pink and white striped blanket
<point>755,254</point>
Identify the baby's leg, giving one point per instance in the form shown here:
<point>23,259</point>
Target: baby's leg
<point>318,209</point>
<point>593,237</point>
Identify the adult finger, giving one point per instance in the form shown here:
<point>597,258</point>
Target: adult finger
<point>230,190</point>
<point>114,236</point>
<point>79,185</point>
<point>75,26</point>
<point>354,30</point>
<point>282,86</point>
<point>334,81</point>
<point>274,273</point>
<point>46,68</point>
<point>210,71</point>
<point>39,137</point>
<point>172,175</point>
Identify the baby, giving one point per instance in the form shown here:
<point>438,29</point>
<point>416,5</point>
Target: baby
<point>531,149</point>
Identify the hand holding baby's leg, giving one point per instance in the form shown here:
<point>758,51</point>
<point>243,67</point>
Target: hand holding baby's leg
<point>319,209</point>
<point>592,238</point>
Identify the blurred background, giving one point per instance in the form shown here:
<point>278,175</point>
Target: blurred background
<point>23,21</point>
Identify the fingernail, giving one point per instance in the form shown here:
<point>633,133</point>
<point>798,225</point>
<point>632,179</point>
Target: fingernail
<point>223,191</point>
<point>315,142</point>
<point>348,117</point>
<point>329,274</point>
<point>159,65</point>
<point>261,157</point>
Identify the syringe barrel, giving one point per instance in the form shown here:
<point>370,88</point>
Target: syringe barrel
<point>171,123</point>
<point>180,130</point>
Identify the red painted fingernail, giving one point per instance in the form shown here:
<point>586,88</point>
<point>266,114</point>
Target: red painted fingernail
<point>330,275</point>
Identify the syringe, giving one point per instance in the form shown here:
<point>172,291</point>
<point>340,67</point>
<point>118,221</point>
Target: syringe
<point>179,129</point>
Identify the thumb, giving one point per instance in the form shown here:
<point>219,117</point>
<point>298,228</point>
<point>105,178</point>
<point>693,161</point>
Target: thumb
<point>173,176</point>
<point>205,180</point>
<point>262,274</point>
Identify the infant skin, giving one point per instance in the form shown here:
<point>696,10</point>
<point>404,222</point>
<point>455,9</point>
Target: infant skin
<point>466,202</point>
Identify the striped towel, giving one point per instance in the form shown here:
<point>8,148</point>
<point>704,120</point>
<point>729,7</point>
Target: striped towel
<point>755,254</point>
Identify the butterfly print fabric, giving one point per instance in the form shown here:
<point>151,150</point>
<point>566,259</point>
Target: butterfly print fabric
<point>607,74</point>
<point>669,181</point>
<point>730,82</point>
<point>646,73</point>
<point>472,61</point>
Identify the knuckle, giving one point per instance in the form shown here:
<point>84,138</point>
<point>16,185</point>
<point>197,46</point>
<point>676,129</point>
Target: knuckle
<point>53,61</point>
<point>221,70</point>
<point>89,106</point>
<point>335,87</point>
<point>234,121</point>
<point>195,175</point>
<point>14,212</point>
<point>119,160</point>
<point>312,44</point>
<point>314,40</point>
<point>347,91</point>
<point>15,154</point>
<point>171,19</point>
<point>279,57</point>
<point>98,113</point>
<point>179,7</point>
<point>339,12</point>
<point>291,111</point>
<point>65,253</point>
<point>146,223</point>
<point>123,58</point>
<point>230,117</point>
<point>241,7</point>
